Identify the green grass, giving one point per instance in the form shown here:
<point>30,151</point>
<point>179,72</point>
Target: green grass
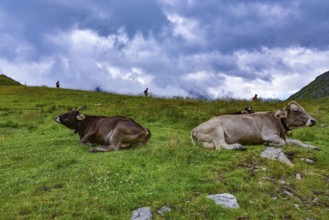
<point>46,174</point>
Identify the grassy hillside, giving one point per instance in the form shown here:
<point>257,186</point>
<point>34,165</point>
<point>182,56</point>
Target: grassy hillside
<point>7,81</point>
<point>319,88</point>
<point>46,174</point>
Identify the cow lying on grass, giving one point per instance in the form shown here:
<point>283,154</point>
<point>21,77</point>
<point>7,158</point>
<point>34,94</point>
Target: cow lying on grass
<point>246,110</point>
<point>112,133</point>
<point>269,128</point>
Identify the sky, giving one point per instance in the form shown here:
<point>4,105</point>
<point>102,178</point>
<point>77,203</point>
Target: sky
<point>200,49</point>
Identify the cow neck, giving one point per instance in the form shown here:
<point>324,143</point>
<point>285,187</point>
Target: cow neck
<point>79,128</point>
<point>285,126</point>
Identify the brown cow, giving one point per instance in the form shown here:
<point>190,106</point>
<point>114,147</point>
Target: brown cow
<point>270,128</point>
<point>112,133</point>
<point>246,110</point>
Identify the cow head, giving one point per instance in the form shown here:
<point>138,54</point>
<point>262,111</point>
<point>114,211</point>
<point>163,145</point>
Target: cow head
<point>248,110</point>
<point>295,116</point>
<point>71,118</point>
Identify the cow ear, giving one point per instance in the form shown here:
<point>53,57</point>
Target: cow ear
<point>280,114</point>
<point>291,105</point>
<point>81,117</point>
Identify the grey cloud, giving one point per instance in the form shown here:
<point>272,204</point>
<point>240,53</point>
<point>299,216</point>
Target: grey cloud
<point>234,25</point>
<point>198,93</point>
<point>33,19</point>
<point>237,38</point>
<point>138,16</point>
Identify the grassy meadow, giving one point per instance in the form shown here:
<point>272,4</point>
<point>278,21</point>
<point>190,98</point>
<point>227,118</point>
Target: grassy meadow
<point>46,174</point>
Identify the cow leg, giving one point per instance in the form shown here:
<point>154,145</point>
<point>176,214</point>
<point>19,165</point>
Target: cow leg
<point>217,143</point>
<point>105,148</point>
<point>275,143</point>
<point>220,142</point>
<point>86,138</point>
<point>211,145</point>
<point>235,146</point>
<point>113,142</point>
<point>208,145</point>
<point>273,140</point>
<point>299,143</point>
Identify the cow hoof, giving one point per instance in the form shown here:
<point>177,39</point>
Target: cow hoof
<point>241,148</point>
<point>93,151</point>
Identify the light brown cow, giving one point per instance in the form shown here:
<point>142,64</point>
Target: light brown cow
<point>269,128</point>
<point>112,133</point>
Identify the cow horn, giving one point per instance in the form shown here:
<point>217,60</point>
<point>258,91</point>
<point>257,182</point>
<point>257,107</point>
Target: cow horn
<point>81,117</point>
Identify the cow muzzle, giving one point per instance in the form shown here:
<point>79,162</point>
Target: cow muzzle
<point>57,119</point>
<point>311,122</point>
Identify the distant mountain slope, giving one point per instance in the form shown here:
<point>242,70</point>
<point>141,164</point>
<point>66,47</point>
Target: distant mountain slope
<point>7,81</point>
<point>318,88</point>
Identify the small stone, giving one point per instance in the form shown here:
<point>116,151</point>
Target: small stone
<point>288,193</point>
<point>142,214</point>
<point>225,200</point>
<point>309,161</point>
<point>164,210</point>
<point>264,168</point>
<point>315,201</point>
<point>298,176</point>
<point>296,206</point>
<point>282,181</point>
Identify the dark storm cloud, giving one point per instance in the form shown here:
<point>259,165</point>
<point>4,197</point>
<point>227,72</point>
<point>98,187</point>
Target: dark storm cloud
<point>137,16</point>
<point>234,25</point>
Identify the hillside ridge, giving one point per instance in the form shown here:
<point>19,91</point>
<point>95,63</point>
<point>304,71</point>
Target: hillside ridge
<point>7,81</point>
<point>318,88</point>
